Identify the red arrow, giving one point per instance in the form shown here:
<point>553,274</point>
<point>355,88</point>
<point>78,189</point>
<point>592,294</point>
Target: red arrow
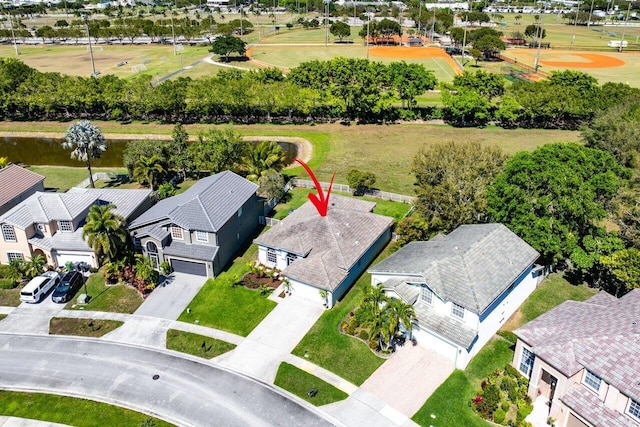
<point>319,201</point>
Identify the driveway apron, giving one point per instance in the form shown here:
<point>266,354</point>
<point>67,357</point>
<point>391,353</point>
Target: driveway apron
<point>31,318</point>
<point>169,300</point>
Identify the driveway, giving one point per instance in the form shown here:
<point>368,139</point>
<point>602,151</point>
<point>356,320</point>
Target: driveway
<point>169,300</point>
<point>31,318</point>
<point>180,390</point>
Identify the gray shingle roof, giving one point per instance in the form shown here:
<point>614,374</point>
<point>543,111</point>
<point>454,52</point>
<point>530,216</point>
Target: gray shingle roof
<point>206,206</point>
<point>14,180</point>
<point>407,292</point>
<point>201,252</point>
<point>330,245</point>
<point>125,201</point>
<point>471,266</point>
<point>602,338</point>
<point>590,407</point>
<point>154,231</point>
<point>62,241</point>
<point>445,326</point>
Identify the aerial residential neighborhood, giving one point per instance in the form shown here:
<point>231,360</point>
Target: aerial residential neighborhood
<point>319,213</point>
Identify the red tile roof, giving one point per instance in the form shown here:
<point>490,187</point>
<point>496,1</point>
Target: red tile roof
<point>14,180</point>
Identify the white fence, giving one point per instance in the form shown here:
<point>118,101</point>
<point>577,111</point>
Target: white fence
<point>96,177</point>
<point>268,221</point>
<point>342,188</point>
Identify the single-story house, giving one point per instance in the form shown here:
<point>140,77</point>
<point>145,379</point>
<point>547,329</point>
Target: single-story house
<point>16,185</point>
<point>325,254</point>
<point>50,224</point>
<point>199,231</point>
<point>463,286</point>
<point>582,361</point>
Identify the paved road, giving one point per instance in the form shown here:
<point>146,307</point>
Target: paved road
<point>187,393</point>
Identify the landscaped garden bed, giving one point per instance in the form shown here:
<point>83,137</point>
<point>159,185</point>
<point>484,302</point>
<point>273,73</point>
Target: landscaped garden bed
<point>261,278</point>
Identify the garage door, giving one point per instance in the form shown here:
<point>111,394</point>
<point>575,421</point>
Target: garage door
<point>65,257</point>
<point>575,422</point>
<point>189,267</point>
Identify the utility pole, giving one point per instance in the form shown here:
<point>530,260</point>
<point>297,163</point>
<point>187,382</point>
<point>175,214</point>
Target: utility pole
<point>368,21</point>
<point>326,22</point>
<point>13,35</point>
<point>464,37</point>
<point>85,18</point>
<point>173,33</point>
<point>624,29</point>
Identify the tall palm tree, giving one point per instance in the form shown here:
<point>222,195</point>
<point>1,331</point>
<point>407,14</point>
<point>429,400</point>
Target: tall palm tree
<point>87,142</point>
<point>35,266</point>
<point>264,156</point>
<point>105,231</point>
<point>148,169</point>
<point>400,312</point>
<point>374,300</point>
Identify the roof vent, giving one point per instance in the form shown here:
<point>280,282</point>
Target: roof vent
<point>634,323</point>
<point>455,247</point>
<point>337,233</point>
<point>357,243</point>
<point>347,224</point>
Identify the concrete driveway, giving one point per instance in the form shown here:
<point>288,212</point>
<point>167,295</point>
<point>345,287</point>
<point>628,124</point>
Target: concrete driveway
<point>31,318</point>
<point>181,390</point>
<point>169,300</point>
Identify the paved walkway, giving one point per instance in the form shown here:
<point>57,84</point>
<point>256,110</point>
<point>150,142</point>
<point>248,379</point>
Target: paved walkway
<point>23,422</point>
<point>538,417</point>
<point>169,300</point>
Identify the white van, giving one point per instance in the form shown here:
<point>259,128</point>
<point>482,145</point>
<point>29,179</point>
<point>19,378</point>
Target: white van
<point>39,286</point>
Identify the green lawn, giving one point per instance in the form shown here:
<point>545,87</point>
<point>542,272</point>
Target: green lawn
<point>299,382</point>
<point>197,345</point>
<point>63,178</point>
<point>450,402</point>
<point>117,298</point>
<point>327,347</point>
<point>2,316</point>
<point>69,410</point>
<point>219,305</point>
<point>10,297</point>
<point>82,327</point>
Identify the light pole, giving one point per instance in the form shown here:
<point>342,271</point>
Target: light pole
<point>575,24</point>
<point>433,25</point>
<point>173,33</point>
<point>536,63</point>
<point>13,35</point>
<point>368,21</point>
<point>624,29</point>
<point>464,37</point>
<point>85,18</point>
<point>590,13</point>
<point>419,14</point>
<point>326,22</point>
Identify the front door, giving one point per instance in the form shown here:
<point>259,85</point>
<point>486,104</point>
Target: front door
<point>548,385</point>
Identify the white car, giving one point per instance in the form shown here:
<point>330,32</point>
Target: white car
<point>38,287</point>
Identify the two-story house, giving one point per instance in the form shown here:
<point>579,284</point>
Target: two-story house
<point>325,255</point>
<point>50,224</point>
<point>199,231</point>
<point>463,286</point>
<point>16,185</point>
<point>582,361</point>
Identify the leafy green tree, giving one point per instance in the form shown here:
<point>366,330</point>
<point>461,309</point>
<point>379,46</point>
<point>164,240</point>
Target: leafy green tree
<point>624,267</point>
<point>360,181</point>
<point>262,157</point>
<point>486,84</point>
<point>4,162</point>
<point>148,170</point>
<point>35,266</point>
<point>489,45</point>
<point>535,31</point>
<point>466,108</point>
<point>340,30</point>
<point>165,190</point>
<point>148,148</point>
<point>105,232</point>
<point>180,157</point>
<point>217,151</point>
<point>451,182</point>
<point>271,184</point>
<point>508,112</point>
<point>410,80</point>
<point>87,142</point>
<point>227,44</point>
<point>411,229</point>
<point>555,196</point>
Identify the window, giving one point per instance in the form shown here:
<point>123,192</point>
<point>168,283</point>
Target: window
<point>291,258</point>
<point>634,409</point>
<point>202,236</point>
<point>65,226</point>
<point>8,233</point>
<point>152,248</point>
<point>457,311</point>
<point>526,362</point>
<point>11,256</point>
<point>426,295</point>
<point>271,256</point>
<point>591,380</point>
<point>176,232</point>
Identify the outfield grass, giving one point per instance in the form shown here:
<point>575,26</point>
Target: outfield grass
<point>94,328</point>
<point>197,345</point>
<point>116,299</point>
<point>63,178</point>
<point>233,309</point>
<point>69,410</point>
<point>299,382</point>
<point>325,346</point>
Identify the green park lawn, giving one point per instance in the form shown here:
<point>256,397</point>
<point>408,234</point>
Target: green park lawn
<point>70,410</point>
<point>63,178</point>
<point>196,345</point>
<point>119,298</point>
<point>233,309</point>
<point>94,328</point>
<point>299,382</point>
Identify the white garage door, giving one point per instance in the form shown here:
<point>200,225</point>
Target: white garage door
<point>434,343</point>
<point>64,257</point>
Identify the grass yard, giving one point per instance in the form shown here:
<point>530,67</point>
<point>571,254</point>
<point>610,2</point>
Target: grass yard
<point>196,345</point>
<point>327,347</point>
<point>450,402</point>
<point>70,410</point>
<point>299,382</point>
<point>94,328</point>
<point>10,297</point>
<point>552,292</point>
<point>116,299</point>
<point>237,310</point>
<point>63,178</point>
<point>2,316</point>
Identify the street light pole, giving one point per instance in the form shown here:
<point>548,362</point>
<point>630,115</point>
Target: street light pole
<point>173,33</point>
<point>368,21</point>
<point>326,22</point>
<point>590,13</point>
<point>624,29</point>
<point>464,37</point>
<point>419,14</point>
<point>13,35</point>
<point>575,24</point>
<point>85,18</point>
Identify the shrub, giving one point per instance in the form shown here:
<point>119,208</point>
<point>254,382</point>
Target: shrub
<point>499,416</point>
<point>513,372</point>
<point>363,335</point>
<point>509,336</point>
<point>505,406</point>
<point>523,410</point>
<point>490,401</point>
<point>7,284</point>
<point>508,384</point>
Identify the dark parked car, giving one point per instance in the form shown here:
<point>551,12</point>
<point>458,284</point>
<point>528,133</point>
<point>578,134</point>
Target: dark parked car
<point>68,286</point>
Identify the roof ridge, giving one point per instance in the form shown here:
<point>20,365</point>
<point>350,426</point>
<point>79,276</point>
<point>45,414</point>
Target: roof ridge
<point>333,235</point>
<point>206,214</point>
<point>64,205</point>
<point>465,270</point>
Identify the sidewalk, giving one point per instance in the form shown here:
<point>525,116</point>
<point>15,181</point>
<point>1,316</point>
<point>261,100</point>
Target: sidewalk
<point>23,422</point>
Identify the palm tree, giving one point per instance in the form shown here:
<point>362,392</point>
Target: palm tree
<point>4,162</point>
<point>400,312</point>
<point>264,156</point>
<point>35,266</point>
<point>87,142</point>
<point>148,169</point>
<point>374,300</point>
<point>104,231</point>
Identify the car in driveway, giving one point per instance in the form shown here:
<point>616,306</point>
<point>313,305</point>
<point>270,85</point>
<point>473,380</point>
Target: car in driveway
<point>38,287</point>
<point>67,288</point>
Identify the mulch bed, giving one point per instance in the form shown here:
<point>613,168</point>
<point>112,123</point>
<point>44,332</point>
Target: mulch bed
<point>253,281</point>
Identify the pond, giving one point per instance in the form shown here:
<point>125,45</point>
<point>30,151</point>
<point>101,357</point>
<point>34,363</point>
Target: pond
<point>49,151</point>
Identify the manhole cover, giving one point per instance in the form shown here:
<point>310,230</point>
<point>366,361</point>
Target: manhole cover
<point>155,377</point>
